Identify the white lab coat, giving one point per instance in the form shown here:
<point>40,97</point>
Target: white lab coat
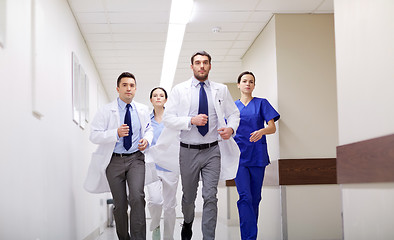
<point>166,151</point>
<point>104,132</point>
<point>176,118</point>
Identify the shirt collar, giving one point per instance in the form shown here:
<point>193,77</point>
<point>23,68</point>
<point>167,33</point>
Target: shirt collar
<point>195,82</point>
<point>122,105</point>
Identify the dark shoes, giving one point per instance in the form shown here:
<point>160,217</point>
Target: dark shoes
<point>186,233</point>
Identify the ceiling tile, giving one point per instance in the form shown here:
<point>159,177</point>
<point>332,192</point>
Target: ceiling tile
<point>207,27</point>
<point>139,17</point>
<point>241,44</point>
<point>289,6</point>
<point>146,37</point>
<point>86,6</point>
<point>225,5</point>
<point>92,17</point>
<point>139,45</point>
<point>130,35</point>
<point>211,44</point>
<point>237,51</point>
<point>248,35</point>
<point>87,28</point>
<point>139,28</point>
<point>133,5</point>
<point>98,37</point>
<point>219,16</point>
<point>260,16</point>
<point>253,26</point>
<point>191,36</point>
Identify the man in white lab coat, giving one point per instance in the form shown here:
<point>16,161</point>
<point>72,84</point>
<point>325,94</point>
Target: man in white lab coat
<point>207,118</point>
<point>122,131</point>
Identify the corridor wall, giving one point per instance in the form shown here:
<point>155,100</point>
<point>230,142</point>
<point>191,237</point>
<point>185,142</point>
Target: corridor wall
<point>365,57</point>
<point>44,156</point>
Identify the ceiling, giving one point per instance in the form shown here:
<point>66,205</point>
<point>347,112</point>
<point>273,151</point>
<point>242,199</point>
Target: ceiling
<point>130,35</point>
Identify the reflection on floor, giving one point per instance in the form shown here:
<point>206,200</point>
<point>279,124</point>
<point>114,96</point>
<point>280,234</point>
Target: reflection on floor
<point>223,232</point>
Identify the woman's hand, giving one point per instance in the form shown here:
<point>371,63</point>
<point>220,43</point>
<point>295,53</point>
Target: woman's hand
<point>257,135</point>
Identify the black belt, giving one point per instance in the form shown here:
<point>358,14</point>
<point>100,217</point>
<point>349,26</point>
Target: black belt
<point>124,154</point>
<point>199,146</point>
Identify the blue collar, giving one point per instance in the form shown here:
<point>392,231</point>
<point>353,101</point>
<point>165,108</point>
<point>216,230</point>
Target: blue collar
<point>195,82</point>
<point>122,105</point>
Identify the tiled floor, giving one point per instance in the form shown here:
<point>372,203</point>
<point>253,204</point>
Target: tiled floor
<point>223,232</point>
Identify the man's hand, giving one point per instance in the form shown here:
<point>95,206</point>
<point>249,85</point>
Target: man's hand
<point>123,130</point>
<point>225,133</point>
<point>199,120</point>
<point>142,144</point>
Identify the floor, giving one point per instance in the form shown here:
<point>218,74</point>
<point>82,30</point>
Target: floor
<point>223,232</point>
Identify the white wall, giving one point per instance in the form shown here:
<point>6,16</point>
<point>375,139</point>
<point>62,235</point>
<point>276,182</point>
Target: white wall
<point>313,212</point>
<point>308,126</point>
<point>365,57</point>
<point>44,161</point>
<point>307,85</point>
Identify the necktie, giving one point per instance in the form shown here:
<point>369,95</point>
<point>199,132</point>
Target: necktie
<point>203,108</point>
<point>127,120</point>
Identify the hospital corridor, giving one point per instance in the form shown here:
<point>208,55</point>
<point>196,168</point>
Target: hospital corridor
<point>325,67</point>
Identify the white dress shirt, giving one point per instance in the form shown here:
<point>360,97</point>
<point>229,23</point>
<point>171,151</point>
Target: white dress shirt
<point>193,136</point>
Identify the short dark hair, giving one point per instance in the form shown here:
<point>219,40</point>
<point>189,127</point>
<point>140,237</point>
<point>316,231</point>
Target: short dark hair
<point>202,53</point>
<point>125,75</point>
<point>245,73</point>
<point>165,92</point>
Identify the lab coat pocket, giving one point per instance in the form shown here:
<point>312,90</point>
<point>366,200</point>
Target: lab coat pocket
<point>220,111</point>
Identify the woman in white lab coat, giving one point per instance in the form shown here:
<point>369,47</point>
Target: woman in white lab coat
<point>161,194</point>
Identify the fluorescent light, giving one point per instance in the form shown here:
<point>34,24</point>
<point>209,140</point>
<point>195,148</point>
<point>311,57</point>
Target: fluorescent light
<point>181,11</point>
<point>180,14</point>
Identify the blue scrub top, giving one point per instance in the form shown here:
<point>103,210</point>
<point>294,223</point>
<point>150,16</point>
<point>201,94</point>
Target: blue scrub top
<point>157,129</point>
<point>252,118</point>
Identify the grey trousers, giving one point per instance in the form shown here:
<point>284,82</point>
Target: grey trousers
<point>122,172</point>
<point>193,164</point>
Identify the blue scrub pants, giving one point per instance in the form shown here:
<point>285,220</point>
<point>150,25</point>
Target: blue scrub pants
<point>249,181</point>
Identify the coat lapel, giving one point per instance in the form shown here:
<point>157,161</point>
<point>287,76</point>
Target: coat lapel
<point>115,112</point>
<point>217,102</point>
<point>187,96</point>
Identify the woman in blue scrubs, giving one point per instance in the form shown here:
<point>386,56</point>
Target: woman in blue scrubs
<point>252,143</point>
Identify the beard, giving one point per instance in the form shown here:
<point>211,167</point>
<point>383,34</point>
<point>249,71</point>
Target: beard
<point>201,77</point>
